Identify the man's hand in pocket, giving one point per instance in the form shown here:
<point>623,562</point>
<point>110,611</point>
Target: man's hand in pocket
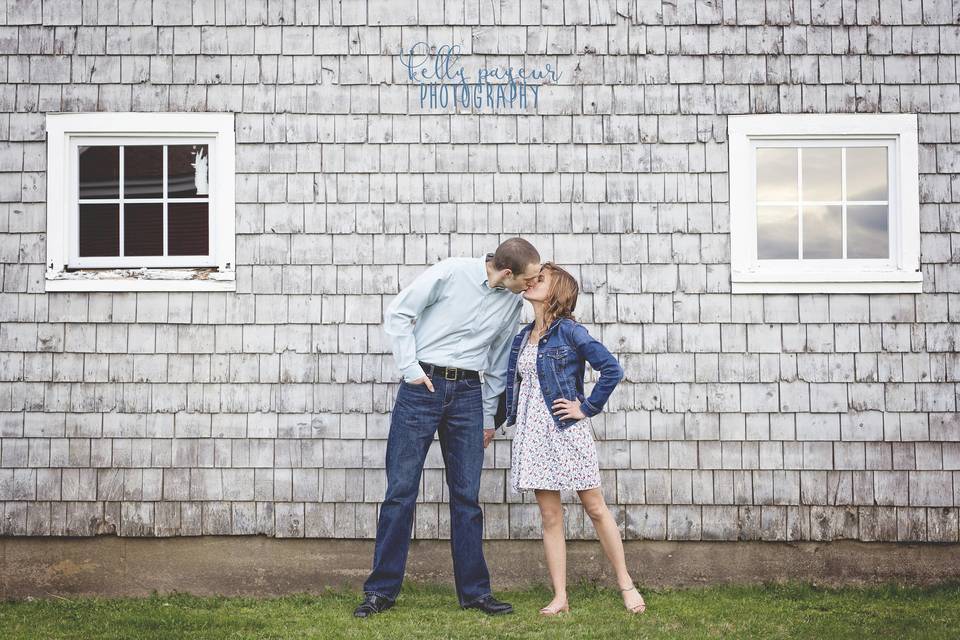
<point>424,380</point>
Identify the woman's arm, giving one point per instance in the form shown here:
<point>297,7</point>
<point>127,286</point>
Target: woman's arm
<point>600,358</point>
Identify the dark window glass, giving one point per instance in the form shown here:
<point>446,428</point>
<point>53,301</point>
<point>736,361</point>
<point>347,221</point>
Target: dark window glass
<point>188,229</point>
<point>143,229</point>
<point>143,171</point>
<point>99,230</point>
<point>187,171</point>
<point>99,172</point>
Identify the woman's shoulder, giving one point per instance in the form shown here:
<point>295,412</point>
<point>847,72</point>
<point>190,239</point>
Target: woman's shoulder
<point>569,327</point>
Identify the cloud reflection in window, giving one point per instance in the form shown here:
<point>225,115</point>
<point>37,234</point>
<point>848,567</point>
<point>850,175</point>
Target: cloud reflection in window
<point>821,175</point>
<point>777,233</point>
<point>867,173</point>
<point>776,174</point>
<point>867,231</point>
<point>822,231</point>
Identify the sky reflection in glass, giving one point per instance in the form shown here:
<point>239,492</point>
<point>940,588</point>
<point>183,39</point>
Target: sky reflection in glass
<point>867,233</point>
<point>821,180</point>
<point>867,173</point>
<point>822,231</point>
<point>777,233</point>
<point>776,174</point>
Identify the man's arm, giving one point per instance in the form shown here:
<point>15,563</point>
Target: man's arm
<point>495,373</point>
<point>402,313</point>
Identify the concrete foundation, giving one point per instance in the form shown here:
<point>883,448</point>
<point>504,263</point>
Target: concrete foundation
<point>261,566</point>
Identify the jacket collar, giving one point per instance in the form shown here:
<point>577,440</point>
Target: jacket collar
<point>553,326</point>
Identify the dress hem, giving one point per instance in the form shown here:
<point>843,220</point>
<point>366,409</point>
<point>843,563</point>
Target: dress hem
<point>526,489</point>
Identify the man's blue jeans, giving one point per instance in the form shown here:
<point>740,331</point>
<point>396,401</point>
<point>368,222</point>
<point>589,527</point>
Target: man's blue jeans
<point>455,410</point>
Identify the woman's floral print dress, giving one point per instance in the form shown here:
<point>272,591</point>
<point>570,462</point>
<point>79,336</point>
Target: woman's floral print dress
<point>544,457</point>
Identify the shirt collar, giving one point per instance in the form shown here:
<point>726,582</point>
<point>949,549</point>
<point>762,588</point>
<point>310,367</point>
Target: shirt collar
<point>483,271</point>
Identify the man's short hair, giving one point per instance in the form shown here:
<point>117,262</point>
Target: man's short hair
<point>515,254</point>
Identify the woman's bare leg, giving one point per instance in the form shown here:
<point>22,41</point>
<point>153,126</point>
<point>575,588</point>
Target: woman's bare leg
<point>554,544</point>
<point>609,535</point>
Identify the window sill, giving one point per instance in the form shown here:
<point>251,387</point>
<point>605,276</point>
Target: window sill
<point>141,280</point>
<point>829,282</point>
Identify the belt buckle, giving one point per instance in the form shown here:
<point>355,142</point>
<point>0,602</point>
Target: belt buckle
<point>446,373</point>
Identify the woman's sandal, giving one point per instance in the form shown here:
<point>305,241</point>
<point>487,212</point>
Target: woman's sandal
<point>640,608</point>
<point>551,611</point>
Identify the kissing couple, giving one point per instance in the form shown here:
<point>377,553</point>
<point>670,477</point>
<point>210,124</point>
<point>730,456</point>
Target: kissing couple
<point>457,318</point>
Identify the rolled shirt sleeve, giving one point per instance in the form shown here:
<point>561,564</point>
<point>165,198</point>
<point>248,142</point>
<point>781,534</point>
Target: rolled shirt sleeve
<point>495,373</point>
<point>402,313</point>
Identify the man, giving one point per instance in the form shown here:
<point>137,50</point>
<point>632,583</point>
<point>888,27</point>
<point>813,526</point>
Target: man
<point>456,318</point>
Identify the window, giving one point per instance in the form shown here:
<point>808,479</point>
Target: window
<point>824,203</point>
<point>140,201</point>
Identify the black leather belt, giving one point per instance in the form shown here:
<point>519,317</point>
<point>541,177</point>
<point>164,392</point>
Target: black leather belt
<point>449,373</point>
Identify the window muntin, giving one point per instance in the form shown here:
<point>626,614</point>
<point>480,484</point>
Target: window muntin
<point>142,203</point>
<point>165,223</point>
<point>823,200</point>
<point>790,235</point>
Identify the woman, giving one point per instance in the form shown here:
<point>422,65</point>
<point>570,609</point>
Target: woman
<point>554,450</point>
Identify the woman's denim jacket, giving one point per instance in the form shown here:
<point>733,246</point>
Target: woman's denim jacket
<point>562,351</point>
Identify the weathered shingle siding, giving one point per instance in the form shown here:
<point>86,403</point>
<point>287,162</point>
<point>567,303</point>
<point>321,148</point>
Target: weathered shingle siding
<point>266,410</point>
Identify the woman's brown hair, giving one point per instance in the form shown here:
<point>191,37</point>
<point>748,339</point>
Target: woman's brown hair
<point>561,298</point>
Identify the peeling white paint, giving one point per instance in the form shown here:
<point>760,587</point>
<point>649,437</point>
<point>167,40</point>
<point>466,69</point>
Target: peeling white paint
<point>142,273</point>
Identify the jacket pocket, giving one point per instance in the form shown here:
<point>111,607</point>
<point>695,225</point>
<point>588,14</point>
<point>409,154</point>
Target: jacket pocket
<point>559,362</point>
<point>561,353</point>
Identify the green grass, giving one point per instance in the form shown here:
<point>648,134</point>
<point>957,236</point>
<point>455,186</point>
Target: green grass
<point>775,611</point>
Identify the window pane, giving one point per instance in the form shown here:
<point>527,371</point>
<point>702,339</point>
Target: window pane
<point>143,171</point>
<point>866,173</point>
<point>99,172</point>
<point>777,236</point>
<point>776,174</point>
<point>822,231</point>
<point>187,170</point>
<point>99,230</point>
<point>821,173</point>
<point>188,229</point>
<point>867,235</point>
<point>143,229</point>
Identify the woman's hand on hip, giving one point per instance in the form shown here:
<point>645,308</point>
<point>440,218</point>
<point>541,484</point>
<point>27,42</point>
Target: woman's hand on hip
<point>563,409</point>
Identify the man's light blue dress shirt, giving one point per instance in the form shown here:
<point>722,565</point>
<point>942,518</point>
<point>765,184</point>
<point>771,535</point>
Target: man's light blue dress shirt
<point>450,316</point>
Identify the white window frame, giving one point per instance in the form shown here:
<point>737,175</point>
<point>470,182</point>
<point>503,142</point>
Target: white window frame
<point>66,271</point>
<point>899,274</point>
